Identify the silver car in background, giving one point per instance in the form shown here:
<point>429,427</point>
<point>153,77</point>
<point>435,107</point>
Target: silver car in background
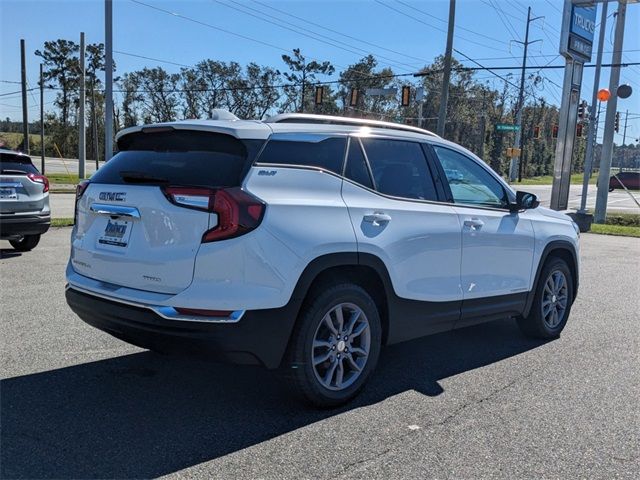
<point>24,201</point>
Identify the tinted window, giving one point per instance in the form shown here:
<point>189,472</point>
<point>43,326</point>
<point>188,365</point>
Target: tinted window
<point>470,183</point>
<point>312,151</point>
<point>16,164</point>
<point>179,158</point>
<point>356,168</point>
<point>399,168</point>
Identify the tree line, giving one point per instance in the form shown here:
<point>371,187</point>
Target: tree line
<point>153,94</point>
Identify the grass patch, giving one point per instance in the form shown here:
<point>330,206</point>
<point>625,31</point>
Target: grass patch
<point>62,222</point>
<point>623,219</point>
<point>63,178</point>
<point>576,179</point>
<point>622,230</point>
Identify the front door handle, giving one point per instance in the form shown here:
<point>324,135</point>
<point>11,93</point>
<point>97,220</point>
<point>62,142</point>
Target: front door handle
<point>377,217</point>
<point>473,223</point>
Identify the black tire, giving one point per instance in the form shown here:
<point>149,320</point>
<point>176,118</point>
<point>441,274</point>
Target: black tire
<point>299,368</point>
<point>611,189</point>
<point>28,242</point>
<point>535,324</point>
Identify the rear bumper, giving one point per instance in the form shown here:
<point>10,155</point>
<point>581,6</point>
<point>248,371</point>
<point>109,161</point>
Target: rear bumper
<point>259,337</point>
<point>17,225</point>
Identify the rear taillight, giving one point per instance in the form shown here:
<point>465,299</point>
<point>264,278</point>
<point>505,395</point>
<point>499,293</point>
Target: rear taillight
<point>80,189</point>
<point>238,211</point>
<point>34,177</point>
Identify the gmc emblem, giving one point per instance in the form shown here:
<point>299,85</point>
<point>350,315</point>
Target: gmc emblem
<point>113,196</point>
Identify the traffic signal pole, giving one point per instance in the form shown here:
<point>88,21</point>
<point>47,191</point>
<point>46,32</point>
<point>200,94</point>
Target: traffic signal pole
<point>593,114</point>
<point>607,139</point>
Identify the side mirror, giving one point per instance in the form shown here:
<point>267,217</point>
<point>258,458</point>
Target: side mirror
<point>524,201</point>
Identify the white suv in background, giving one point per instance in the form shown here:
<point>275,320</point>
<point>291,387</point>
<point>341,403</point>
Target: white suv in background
<point>307,243</point>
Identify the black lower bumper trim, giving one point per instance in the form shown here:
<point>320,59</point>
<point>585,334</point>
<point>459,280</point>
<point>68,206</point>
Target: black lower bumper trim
<point>260,337</point>
<point>18,225</point>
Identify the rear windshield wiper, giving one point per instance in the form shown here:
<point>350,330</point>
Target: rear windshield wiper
<point>140,177</point>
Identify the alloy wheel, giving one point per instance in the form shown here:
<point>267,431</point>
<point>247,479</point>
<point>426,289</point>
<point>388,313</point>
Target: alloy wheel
<point>341,346</point>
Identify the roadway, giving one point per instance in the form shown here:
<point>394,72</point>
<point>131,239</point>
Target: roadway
<point>482,402</point>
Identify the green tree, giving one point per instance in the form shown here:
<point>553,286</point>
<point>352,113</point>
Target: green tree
<point>302,73</point>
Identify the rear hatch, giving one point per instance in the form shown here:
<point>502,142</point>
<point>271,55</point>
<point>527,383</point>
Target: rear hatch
<point>22,188</point>
<point>143,216</point>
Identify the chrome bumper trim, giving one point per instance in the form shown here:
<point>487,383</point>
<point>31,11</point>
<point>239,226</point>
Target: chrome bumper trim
<point>166,312</point>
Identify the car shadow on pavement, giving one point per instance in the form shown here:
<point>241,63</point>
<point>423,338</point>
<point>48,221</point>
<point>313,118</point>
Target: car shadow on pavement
<point>9,253</point>
<point>145,415</point>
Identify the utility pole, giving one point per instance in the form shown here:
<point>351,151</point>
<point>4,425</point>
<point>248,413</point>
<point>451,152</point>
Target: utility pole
<point>25,114</point>
<point>612,105</point>
<point>94,120</point>
<point>41,121</point>
<point>108,77</point>
<point>444,93</point>
<point>514,165</point>
<point>593,115</point>
<point>82,151</point>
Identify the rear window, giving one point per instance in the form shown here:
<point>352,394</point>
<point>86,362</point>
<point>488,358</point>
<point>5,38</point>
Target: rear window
<point>12,164</point>
<point>306,150</point>
<point>179,157</point>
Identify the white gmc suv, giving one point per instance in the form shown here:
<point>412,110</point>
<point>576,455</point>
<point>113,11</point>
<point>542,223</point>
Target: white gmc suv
<point>307,242</point>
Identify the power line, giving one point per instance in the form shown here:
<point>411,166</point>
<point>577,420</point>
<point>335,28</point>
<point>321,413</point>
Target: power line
<point>459,27</point>
<point>459,37</point>
<point>306,32</point>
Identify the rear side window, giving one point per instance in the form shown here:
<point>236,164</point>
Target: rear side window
<point>178,158</point>
<point>356,168</point>
<point>399,168</point>
<point>306,150</point>
<point>11,164</point>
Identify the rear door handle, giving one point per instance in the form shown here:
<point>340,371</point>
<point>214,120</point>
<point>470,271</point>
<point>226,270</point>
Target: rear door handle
<point>473,223</point>
<point>377,217</point>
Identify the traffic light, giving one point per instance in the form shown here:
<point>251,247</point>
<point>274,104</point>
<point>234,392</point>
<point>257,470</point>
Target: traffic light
<point>319,95</point>
<point>536,131</point>
<point>406,96</point>
<point>353,98</point>
<point>579,130</point>
<point>582,110</point>
<point>554,131</point>
<point>616,124</point>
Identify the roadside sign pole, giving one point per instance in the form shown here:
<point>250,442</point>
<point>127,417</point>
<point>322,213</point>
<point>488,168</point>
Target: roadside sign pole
<point>607,139</point>
<point>593,121</point>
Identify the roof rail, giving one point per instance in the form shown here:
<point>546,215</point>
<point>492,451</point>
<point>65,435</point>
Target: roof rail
<point>334,120</point>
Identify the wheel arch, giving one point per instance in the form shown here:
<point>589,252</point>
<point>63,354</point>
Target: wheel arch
<point>555,249</point>
<point>365,270</point>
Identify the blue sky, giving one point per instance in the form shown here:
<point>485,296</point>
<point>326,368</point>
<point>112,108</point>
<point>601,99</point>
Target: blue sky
<point>411,33</point>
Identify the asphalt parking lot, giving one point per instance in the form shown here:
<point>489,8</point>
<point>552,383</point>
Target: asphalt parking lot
<point>476,403</point>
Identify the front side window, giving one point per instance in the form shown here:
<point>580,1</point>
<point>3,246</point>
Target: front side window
<point>399,168</point>
<point>307,150</point>
<point>470,183</point>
